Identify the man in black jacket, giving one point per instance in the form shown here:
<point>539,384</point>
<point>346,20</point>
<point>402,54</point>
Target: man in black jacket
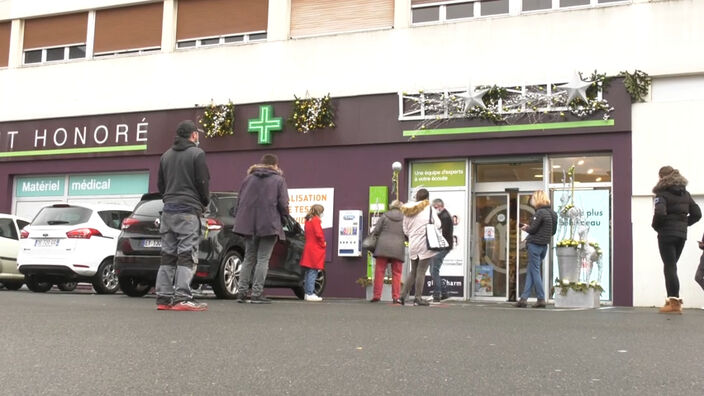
<point>184,184</point>
<point>439,288</point>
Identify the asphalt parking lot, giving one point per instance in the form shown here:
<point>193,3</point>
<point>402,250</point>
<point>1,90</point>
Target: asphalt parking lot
<point>80,343</point>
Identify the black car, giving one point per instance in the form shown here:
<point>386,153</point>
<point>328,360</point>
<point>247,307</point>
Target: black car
<point>220,255</point>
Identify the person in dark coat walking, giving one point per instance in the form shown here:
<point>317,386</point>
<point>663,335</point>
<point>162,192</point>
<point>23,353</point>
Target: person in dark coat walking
<point>675,210</point>
<point>440,289</point>
<point>390,249</point>
<point>542,227</point>
<point>263,200</point>
<point>184,183</point>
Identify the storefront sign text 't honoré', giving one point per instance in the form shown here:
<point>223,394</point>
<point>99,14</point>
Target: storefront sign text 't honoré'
<point>74,138</point>
<point>110,134</point>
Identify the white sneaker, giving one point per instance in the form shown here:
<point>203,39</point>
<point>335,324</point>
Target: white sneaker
<point>313,298</point>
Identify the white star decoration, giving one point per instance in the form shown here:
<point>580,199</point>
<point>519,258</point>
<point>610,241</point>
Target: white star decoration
<point>576,87</point>
<point>473,98</point>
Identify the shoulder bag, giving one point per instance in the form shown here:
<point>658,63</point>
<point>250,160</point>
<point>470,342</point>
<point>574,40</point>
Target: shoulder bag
<point>433,236</point>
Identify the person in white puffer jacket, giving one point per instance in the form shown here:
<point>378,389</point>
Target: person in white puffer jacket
<point>416,216</point>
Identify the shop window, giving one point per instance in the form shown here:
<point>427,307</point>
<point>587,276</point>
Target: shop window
<point>128,29</point>
<point>588,169</point>
<point>213,22</point>
<point>533,5</point>
<point>5,28</point>
<point>494,7</point>
<point>507,172</point>
<point>572,3</point>
<point>317,17</point>
<point>55,38</point>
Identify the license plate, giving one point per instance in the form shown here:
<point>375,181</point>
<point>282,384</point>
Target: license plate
<point>151,243</point>
<point>46,242</point>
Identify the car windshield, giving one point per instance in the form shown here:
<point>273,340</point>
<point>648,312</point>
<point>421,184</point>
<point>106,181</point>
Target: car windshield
<point>69,215</point>
<point>149,208</point>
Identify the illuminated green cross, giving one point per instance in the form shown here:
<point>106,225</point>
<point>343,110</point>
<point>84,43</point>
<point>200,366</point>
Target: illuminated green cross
<point>265,124</point>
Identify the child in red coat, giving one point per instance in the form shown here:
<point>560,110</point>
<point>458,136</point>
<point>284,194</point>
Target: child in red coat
<point>313,258</point>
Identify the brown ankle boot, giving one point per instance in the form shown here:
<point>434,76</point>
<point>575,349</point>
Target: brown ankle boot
<point>673,305</point>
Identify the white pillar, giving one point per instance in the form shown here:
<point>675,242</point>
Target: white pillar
<point>16,43</point>
<point>168,26</point>
<point>90,37</point>
<point>402,14</point>
<point>279,20</point>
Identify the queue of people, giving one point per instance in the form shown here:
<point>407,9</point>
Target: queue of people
<point>263,199</point>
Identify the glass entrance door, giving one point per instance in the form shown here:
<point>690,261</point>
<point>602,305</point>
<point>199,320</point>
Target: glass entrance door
<point>523,215</point>
<point>498,262</point>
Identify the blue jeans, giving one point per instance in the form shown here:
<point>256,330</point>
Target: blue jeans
<point>310,277</point>
<point>438,287</point>
<point>536,255</point>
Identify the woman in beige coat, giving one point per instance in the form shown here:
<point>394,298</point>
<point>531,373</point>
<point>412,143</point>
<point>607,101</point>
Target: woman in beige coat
<point>416,217</point>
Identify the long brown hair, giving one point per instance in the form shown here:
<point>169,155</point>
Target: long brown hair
<point>315,210</point>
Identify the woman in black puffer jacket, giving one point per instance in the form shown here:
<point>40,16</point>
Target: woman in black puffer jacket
<point>675,210</point>
<point>541,229</point>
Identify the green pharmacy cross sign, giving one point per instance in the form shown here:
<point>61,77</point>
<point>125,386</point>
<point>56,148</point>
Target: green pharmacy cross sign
<point>265,124</point>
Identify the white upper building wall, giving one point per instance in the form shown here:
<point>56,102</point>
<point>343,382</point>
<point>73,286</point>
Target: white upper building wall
<point>530,48</point>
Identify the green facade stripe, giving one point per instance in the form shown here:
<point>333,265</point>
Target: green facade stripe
<point>85,150</point>
<point>510,128</point>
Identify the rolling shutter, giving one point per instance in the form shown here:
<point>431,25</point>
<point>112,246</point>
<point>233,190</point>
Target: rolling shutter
<point>128,27</point>
<point>312,17</point>
<point>207,18</point>
<point>5,28</point>
<point>55,31</point>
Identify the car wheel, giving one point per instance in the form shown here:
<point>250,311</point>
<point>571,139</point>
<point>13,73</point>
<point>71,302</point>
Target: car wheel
<point>105,281</point>
<point>299,292</point>
<point>320,283</point>
<point>225,284</point>
<point>13,285</point>
<point>35,285</point>
<point>67,286</point>
<point>134,287</point>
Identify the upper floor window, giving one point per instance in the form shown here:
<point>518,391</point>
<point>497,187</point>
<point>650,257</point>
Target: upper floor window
<point>428,11</point>
<point>212,22</point>
<point>55,38</point>
<point>433,10</point>
<point>128,29</point>
<point>318,17</point>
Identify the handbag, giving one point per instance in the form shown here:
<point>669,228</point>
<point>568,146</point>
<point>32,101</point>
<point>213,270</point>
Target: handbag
<point>433,236</point>
<point>369,242</point>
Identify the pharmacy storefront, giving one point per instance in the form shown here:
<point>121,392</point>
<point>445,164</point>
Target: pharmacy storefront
<point>484,174</point>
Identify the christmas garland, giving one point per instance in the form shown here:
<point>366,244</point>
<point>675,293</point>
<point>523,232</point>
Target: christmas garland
<point>218,120</point>
<point>637,84</point>
<point>312,113</point>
